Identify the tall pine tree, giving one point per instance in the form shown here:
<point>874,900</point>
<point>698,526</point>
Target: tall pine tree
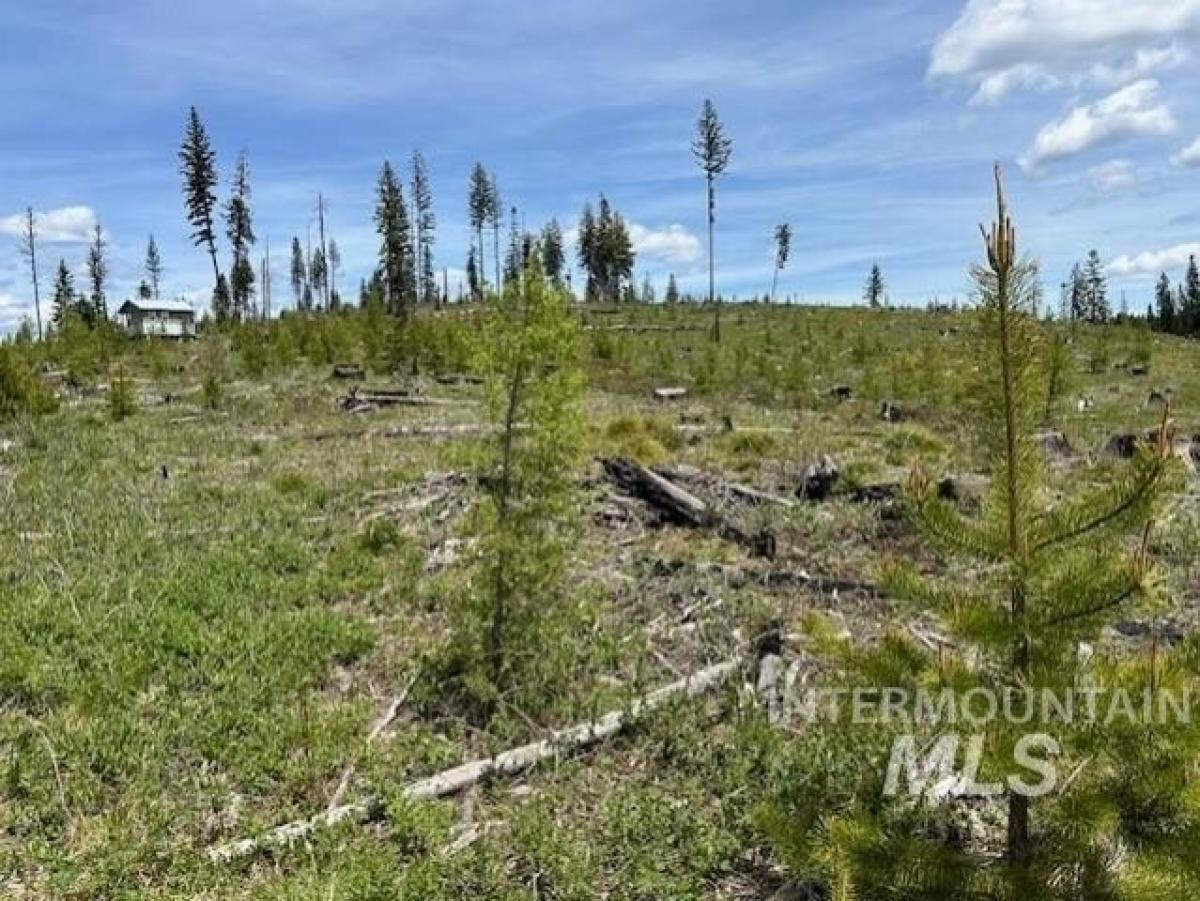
<point>63,302</point>
<point>783,250</point>
<point>495,220</point>
<point>554,259</point>
<point>198,166</point>
<point>27,245</point>
<point>299,274</point>
<point>478,212</point>
<point>712,150</point>
<point>97,267</point>
<point>1190,308</point>
<point>153,267</point>
<point>334,263</point>
<point>239,228</point>
<point>395,248</point>
<point>672,295</point>
<point>1164,303</point>
<point>424,224</point>
<point>874,290</point>
<point>1096,289</point>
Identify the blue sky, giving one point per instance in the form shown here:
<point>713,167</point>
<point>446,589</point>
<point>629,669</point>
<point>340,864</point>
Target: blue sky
<point>870,127</point>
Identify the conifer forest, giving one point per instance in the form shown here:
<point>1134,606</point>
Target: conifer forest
<point>631,498</point>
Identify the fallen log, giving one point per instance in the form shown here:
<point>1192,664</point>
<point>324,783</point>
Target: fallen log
<point>392,398</point>
<point>682,472</point>
<point>458,378</point>
<point>461,430</point>
<point>678,505</point>
<point>756,497</point>
<point>457,779</point>
<point>386,719</point>
<point>681,506</point>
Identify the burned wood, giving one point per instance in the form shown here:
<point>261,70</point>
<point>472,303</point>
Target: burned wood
<point>819,480</point>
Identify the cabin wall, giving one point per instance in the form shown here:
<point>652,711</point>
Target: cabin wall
<point>165,325</point>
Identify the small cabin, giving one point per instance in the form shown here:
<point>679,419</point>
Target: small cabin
<point>144,318</point>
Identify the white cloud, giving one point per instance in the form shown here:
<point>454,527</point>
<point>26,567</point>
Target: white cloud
<point>1132,111</point>
<point>673,244</point>
<point>11,305</point>
<point>1113,176</point>
<point>67,225</point>
<point>1152,262</point>
<point>997,85</point>
<point>1143,63</point>
<point>12,311</point>
<point>1189,156</point>
<point>1001,46</point>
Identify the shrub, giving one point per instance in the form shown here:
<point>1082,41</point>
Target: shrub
<point>122,401</point>
<point>21,391</point>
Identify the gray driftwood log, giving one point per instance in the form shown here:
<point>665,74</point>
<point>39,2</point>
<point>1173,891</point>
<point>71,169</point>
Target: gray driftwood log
<point>457,779</point>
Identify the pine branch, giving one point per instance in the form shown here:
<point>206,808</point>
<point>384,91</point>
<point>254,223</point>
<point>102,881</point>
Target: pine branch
<point>1125,500</point>
<point>1094,609</point>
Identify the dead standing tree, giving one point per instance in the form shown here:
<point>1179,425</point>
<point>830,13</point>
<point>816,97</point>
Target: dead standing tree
<point>27,244</point>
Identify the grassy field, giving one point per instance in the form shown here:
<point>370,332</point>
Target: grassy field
<point>206,605</point>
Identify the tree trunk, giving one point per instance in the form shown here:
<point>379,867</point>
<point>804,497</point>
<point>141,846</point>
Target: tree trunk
<point>496,258</point>
<point>1019,848</point>
<point>37,300</point>
<point>482,268</point>
<point>712,299</point>
<point>500,589</point>
<point>324,251</point>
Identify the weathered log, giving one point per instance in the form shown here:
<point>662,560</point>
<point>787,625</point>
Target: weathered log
<point>683,472</point>
<point>756,497</point>
<point>681,506</point>
<point>673,393</point>
<point>458,378</point>
<point>463,430</point>
<point>678,505</point>
<point>457,779</point>
<point>385,719</point>
<point>349,371</point>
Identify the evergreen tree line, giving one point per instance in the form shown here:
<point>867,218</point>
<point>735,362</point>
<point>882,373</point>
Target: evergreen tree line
<point>1177,311</point>
<point>1085,293</point>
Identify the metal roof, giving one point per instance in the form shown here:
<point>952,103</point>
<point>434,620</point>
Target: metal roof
<point>158,306</point>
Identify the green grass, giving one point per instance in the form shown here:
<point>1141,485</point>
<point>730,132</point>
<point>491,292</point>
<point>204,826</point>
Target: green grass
<point>190,659</point>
